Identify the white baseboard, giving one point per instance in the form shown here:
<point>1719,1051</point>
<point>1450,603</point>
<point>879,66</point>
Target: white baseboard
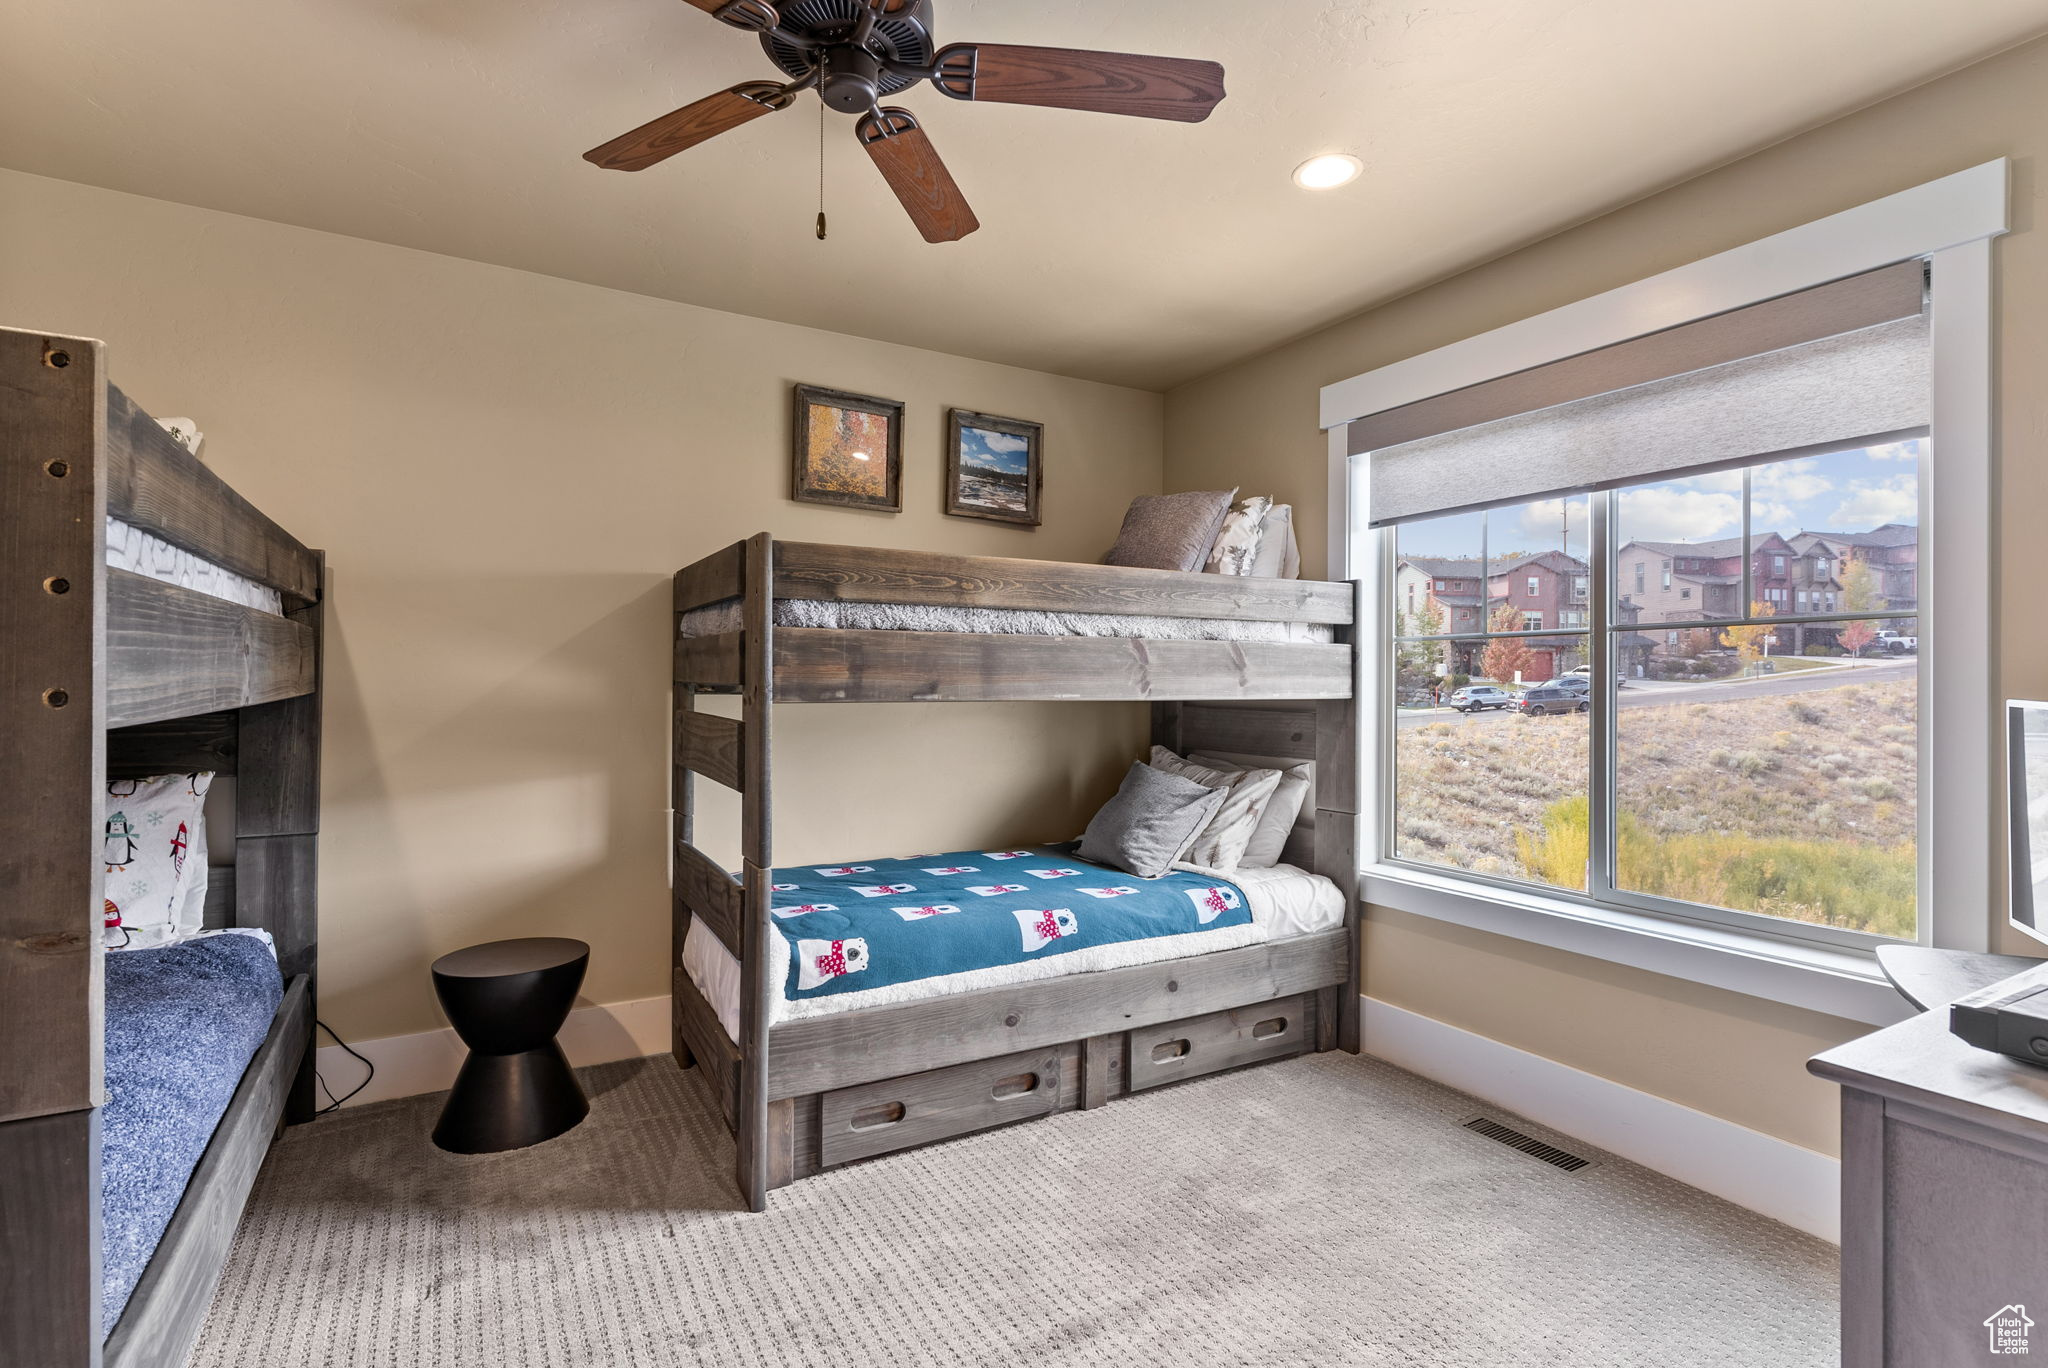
<point>1774,1177</point>
<point>408,1065</point>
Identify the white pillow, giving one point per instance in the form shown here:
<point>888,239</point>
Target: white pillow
<point>1221,844</point>
<point>153,845</point>
<point>1279,554</point>
<point>1237,543</point>
<point>1276,823</point>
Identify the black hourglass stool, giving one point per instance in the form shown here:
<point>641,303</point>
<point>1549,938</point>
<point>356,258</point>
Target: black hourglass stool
<point>506,999</point>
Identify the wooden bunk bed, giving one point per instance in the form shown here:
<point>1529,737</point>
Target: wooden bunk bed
<point>802,1095</point>
<point>105,674</point>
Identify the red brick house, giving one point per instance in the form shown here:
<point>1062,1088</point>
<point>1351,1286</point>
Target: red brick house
<point>1543,589</point>
<point>1688,581</point>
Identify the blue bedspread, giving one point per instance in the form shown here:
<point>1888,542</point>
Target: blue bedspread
<point>882,922</point>
<point>182,1024</point>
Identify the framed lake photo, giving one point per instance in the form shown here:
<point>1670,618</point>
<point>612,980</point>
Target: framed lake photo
<point>994,467</point>
<point>847,449</point>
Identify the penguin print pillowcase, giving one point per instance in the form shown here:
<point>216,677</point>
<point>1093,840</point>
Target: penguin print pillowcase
<point>153,851</point>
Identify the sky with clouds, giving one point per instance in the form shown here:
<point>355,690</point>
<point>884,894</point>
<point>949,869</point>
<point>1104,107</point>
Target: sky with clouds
<point>1843,491</point>
<point>993,450</point>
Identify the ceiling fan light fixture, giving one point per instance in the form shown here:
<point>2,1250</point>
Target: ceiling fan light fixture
<point>1329,171</point>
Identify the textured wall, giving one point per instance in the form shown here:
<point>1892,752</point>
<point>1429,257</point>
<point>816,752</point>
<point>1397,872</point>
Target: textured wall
<point>504,470</point>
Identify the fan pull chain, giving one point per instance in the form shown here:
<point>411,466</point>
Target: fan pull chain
<point>821,170</point>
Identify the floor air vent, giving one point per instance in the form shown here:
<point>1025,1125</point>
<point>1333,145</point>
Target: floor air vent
<point>1527,1144</point>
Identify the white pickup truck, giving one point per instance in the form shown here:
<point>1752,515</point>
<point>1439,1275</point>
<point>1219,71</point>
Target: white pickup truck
<point>1895,643</point>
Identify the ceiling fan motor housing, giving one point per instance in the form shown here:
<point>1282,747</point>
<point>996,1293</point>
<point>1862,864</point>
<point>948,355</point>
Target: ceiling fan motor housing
<point>853,78</point>
<point>850,83</point>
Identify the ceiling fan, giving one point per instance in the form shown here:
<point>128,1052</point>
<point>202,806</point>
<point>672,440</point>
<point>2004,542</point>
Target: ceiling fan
<point>854,52</point>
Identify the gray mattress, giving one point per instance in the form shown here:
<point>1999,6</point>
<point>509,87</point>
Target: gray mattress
<point>917,617</point>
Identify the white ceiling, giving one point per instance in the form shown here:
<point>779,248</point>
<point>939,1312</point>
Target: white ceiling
<point>1127,250</point>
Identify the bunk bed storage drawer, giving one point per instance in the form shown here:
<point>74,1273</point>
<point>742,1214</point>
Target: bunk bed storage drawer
<point>898,1113</point>
<point>1221,1040</point>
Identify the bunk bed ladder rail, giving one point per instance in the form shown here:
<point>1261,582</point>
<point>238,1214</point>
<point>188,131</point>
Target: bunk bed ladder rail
<point>735,754</point>
<point>757,850</point>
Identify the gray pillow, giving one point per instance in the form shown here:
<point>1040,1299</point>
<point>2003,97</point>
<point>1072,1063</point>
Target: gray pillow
<point>1279,554</point>
<point>1150,823</point>
<point>1246,793</point>
<point>1170,531</point>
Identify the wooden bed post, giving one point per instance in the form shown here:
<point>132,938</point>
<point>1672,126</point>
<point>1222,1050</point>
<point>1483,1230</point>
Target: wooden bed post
<point>757,850</point>
<point>684,800</point>
<point>1337,818</point>
<point>52,697</point>
<point>277,838</point>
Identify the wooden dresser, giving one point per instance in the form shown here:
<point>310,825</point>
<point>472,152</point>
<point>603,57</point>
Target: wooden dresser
<point>1944,1200</point>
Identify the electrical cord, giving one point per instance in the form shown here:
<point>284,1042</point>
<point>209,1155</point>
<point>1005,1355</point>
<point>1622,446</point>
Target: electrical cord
<point>335,1103</point>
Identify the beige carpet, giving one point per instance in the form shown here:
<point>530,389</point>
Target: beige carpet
<point>1325,1211</point>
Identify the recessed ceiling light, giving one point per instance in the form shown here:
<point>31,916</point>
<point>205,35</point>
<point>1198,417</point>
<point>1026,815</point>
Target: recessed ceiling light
<point>1328,172</point>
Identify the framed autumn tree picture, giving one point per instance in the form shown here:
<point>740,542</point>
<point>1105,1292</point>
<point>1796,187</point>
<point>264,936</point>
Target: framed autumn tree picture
<point>847,450</point>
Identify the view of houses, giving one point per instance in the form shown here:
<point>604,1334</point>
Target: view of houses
<point>1658,582</point>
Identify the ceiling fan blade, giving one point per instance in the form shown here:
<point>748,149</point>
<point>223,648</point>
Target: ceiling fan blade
<point>756,16</point>
<point>911,165</point>
<point>688,126</point>
<point>1068,78</point>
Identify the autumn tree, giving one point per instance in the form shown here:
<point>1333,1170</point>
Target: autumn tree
<point>1505,657</point>
<point>1859,595</point>
<point>1417,661</point>
<point>1749,642</point>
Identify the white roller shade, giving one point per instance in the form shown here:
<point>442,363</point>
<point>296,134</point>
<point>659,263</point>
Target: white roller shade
<point>1871,383</point>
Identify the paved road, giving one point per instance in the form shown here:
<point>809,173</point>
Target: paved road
<point>1643,693</point>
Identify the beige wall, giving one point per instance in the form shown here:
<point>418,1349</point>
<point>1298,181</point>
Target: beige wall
<point>504,470</point>
<point>1734,1056</point>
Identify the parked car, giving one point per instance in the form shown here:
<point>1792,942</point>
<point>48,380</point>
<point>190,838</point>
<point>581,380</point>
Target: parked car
<point>1475,697</point>
<point>1542,700</point>
<point>1895,643</point>
<point>1577,683</point>
<point>1585,673</point>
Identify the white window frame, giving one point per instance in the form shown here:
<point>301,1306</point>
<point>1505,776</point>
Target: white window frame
<point>1949,223</point>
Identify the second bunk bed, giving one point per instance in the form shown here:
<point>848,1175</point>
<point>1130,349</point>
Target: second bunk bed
<point>1260,669</point>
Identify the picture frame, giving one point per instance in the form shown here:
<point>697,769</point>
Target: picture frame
<point>995,467</point>
<point>846,449</point>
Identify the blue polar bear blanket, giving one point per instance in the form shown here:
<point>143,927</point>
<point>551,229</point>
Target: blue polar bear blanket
<point>852,927</point>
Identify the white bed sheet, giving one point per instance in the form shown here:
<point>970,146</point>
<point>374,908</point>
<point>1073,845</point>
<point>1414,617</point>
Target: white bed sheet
<point>1284,901</point>
<point>130,548</point>
<point>922,617</point>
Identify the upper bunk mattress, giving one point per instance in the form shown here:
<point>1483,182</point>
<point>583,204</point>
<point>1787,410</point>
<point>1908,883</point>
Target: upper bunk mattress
<point>887,931</point>
<point>130,548</point>
<point>922,617</point>
<point>183,1022</point>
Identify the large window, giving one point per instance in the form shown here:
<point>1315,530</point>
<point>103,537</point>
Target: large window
<point>1786,754</point>
<point>1749,751</point>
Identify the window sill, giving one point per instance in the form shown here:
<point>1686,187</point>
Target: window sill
<point>1839,983</point>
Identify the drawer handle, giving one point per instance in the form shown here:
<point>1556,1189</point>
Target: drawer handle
<point>1169,1051</point>
<point>1272,1026</point>
<point>1016,1085</point>
<point>875,1117</point>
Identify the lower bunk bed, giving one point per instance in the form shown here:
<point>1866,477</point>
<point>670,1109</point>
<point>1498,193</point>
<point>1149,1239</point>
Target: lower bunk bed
<point>204,1040</point>
<point>932,997</point>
